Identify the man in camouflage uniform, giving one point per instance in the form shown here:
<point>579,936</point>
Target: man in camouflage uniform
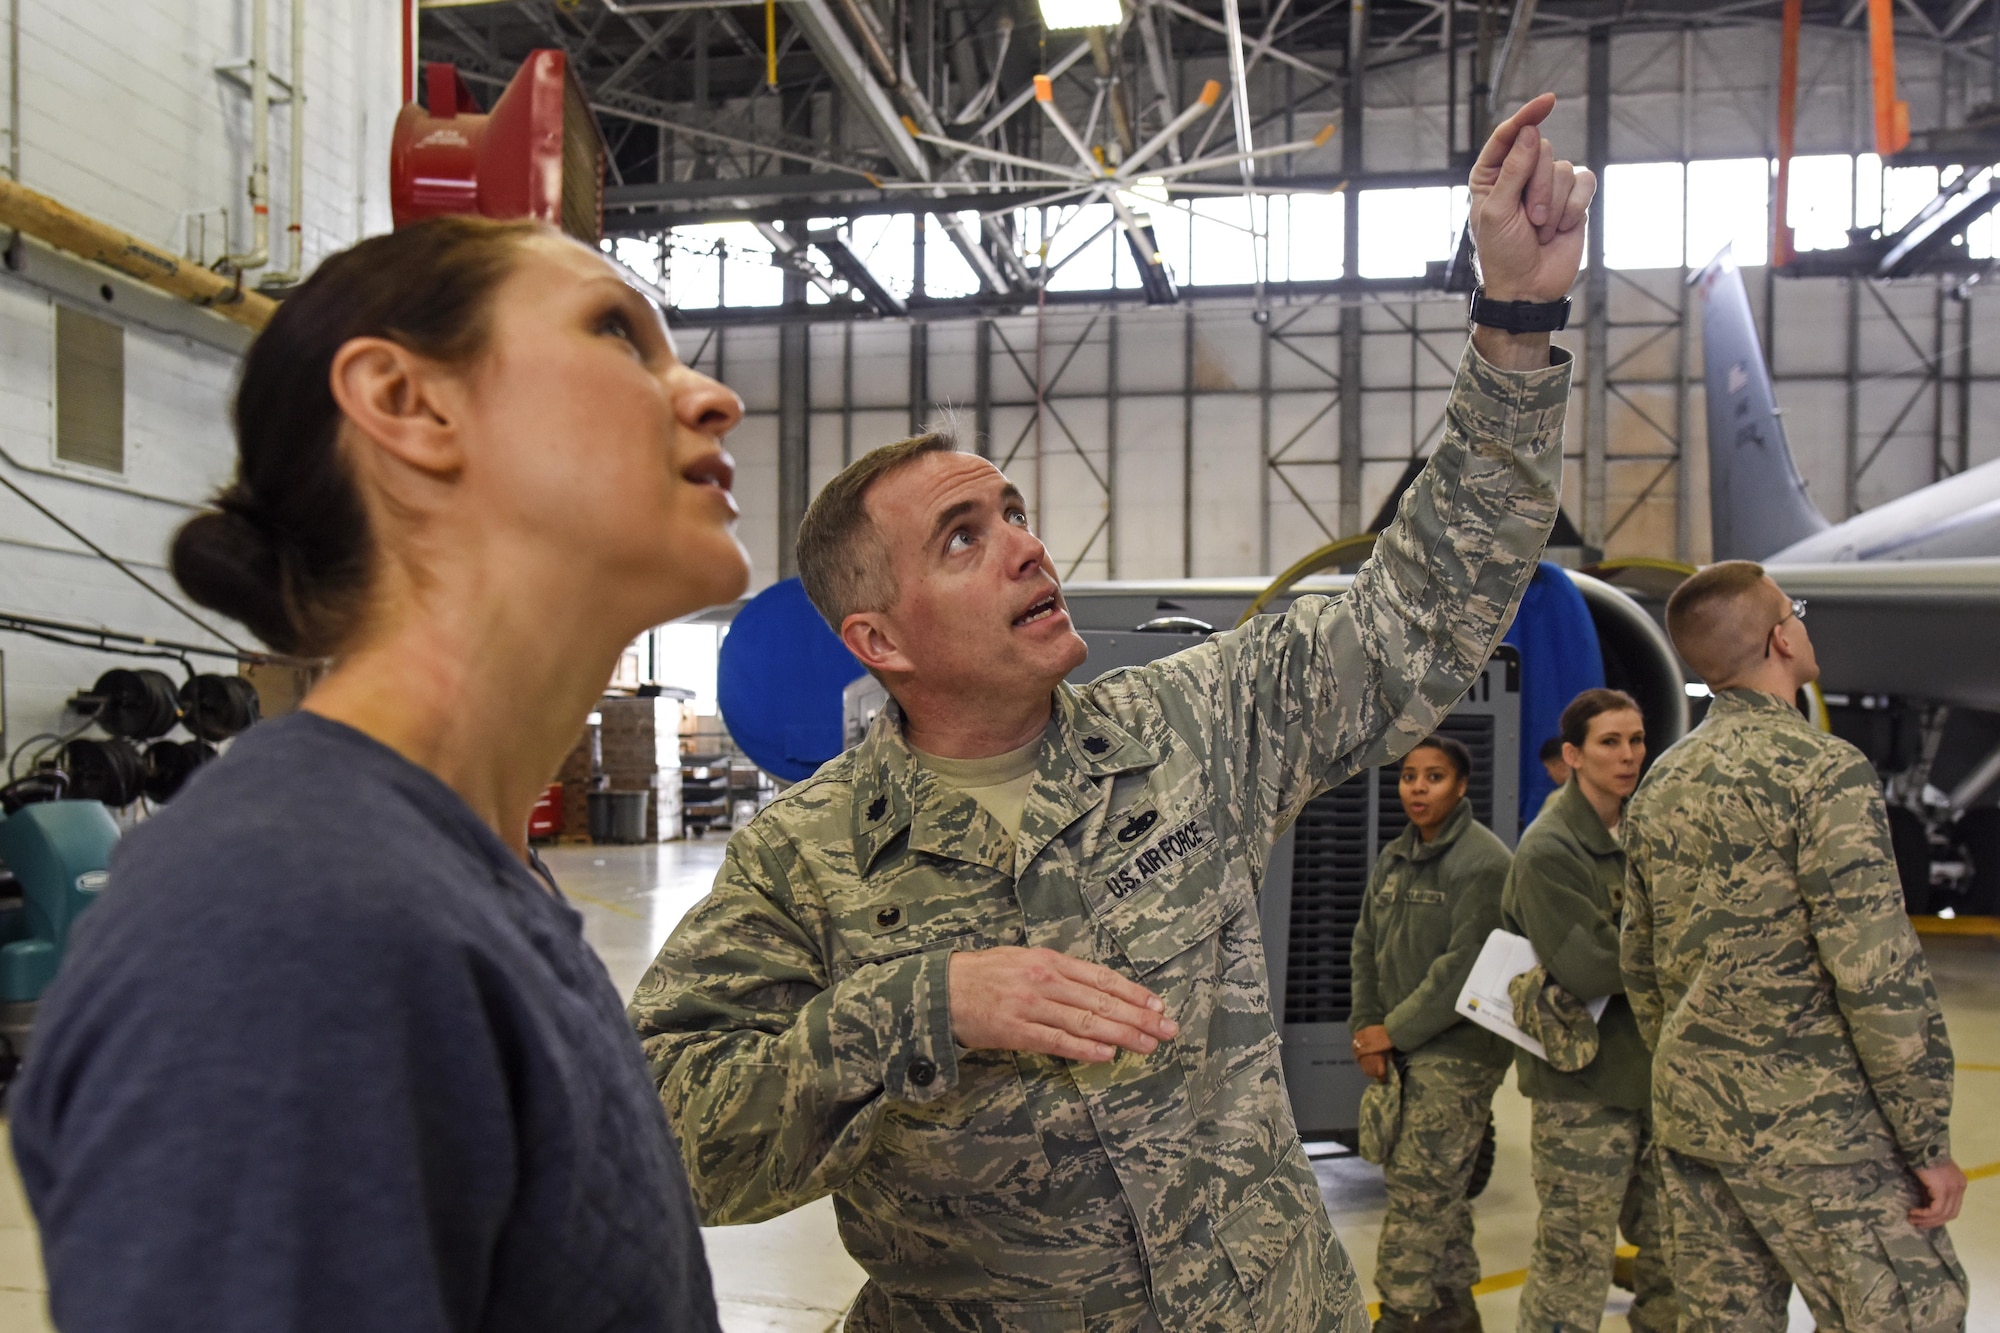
<point>1801,1078</point>
<point>1595,1168</point>
<point>993,978</point>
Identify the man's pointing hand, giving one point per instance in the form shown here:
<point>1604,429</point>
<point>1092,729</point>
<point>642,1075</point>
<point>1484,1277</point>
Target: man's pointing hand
<point>1528,210</point>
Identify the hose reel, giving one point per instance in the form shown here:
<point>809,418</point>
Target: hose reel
<point>112,771</point>
<point>218,707</point>
<point>169,764</point>
<point>136,704</point>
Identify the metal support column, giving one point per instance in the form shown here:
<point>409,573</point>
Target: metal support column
<point>982,388</point>
<point>1111,450</point>
<point>1964,383</point>
<point>1187,444</point>
<point>920,375</point>
<point>1684,496</point>
<point>1850,470</point>
<point>846,393</point>
<point>1264,447</point>
<point>1596,308</point>
<point>1350,312</point>
<point>794,421</point>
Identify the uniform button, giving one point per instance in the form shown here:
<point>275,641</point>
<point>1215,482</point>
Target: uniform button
<point>889,917</point>
<point>922,1072</point>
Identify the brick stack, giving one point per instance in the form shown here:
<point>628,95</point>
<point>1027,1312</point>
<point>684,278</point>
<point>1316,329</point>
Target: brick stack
<point>575,778</point>
<point>641,741</point>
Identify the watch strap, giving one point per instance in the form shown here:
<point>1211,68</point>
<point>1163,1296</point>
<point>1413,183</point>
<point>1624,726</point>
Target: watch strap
<point>1520,316</point>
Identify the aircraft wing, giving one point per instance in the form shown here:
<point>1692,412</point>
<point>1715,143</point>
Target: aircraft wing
<point>1924,629</point>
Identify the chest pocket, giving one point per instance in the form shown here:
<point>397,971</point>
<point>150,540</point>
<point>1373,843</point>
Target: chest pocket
<point>925,905</point>
<point>1162,894</point>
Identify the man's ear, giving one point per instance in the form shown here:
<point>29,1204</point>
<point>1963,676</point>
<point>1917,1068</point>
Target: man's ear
<point>872,640</point>
<point>402,402</point>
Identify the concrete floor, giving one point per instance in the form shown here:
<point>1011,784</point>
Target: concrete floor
<point>791,1275</point>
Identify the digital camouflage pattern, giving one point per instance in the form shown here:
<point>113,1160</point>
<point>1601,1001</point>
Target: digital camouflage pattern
<point>1381,1115</point>
<point>1555,1018</point>
<point>798,1023</point>
<point>1426,1244</point>
<point>1767,953</point>
<point>1596,1173</point>
<point>1744,1234</point>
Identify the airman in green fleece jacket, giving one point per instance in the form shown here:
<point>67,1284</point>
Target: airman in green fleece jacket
<point>1595,1166</point>
<point>1433,899</point>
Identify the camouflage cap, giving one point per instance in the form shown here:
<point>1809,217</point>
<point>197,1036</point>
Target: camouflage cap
<point>1555,1018</point>
<point>1382,1115</point>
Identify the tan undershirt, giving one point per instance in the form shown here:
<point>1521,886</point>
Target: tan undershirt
<point>999,782</point>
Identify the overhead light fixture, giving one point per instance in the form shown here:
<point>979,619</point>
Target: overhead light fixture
<point>1057,14</point>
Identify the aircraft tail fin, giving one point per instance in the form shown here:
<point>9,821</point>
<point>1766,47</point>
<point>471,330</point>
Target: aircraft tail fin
<point>1756,499</point>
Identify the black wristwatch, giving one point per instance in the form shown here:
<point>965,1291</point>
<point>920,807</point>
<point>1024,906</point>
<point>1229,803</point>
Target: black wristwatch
<point>1519,316</point>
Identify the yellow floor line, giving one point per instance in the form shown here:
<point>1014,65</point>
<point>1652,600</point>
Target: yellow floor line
<point>1509,1280</point>
<point>1963,925</point>
<point>1978,1068</point>
<point>596,901</point>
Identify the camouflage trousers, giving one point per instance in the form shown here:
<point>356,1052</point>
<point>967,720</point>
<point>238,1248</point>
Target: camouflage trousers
<point>1744,1235</point>
<point>1597,1173</point>
<point>1427,1231</point>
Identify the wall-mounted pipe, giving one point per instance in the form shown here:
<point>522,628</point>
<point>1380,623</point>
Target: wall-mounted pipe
<point>259,253</point>
<point>43,218</point>
<point>294,271</point>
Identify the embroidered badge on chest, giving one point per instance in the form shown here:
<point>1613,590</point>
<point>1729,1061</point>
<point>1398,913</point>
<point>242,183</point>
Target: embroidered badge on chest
<point>1172,848</point>
<point>1136,827</point>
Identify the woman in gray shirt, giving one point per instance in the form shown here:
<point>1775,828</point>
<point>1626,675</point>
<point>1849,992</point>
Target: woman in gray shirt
<point>331,1052</point>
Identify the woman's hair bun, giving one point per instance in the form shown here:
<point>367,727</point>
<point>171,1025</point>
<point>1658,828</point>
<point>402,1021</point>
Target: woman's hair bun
<point>228,562</point>
<point>287,549</point>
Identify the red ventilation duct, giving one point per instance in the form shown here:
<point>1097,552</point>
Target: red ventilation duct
<point>537,154</point>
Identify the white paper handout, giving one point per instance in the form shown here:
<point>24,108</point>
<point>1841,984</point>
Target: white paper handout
<point>1485,1001</point>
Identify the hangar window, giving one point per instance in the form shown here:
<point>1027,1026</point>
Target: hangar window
<point>1983,235</point>
<point>721,264</point>
<point>1079,243</point>
<point>686,655</point>
<point>90,390</point>
<point>1729,203</point>
<point>1402,231</point>
<point>1905,191</point>
<point>1819,203</point>
<point>946,274</point>
<point>1643,212</point>
<point>1314,232</point>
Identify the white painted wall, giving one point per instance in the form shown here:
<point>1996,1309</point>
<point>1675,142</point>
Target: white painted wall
<point>124,118</point>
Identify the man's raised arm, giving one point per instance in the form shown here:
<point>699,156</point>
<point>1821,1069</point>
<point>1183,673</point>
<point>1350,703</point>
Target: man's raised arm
<point>1292,705</point>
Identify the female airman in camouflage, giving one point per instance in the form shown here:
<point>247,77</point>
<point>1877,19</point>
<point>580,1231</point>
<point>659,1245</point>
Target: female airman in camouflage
<point>1432,901</point>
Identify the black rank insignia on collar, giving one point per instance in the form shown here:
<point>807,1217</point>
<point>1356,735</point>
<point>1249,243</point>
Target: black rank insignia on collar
<point>877,808</point>
<point>1096,744</point>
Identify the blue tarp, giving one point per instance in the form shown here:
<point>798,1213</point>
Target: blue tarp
<point>779,680</point>
<point>1560,659</point>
